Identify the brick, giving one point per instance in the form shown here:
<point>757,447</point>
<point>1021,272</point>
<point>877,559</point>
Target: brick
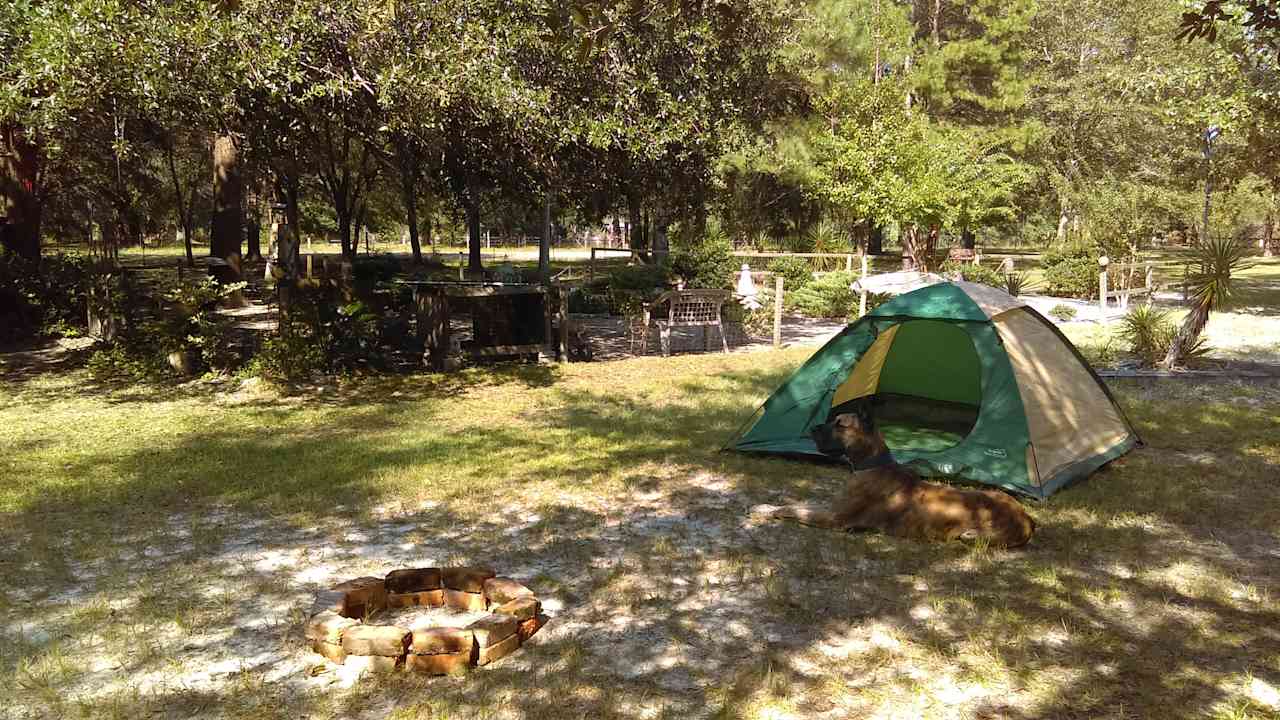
<point>374,663</point>
<point>386,640</point>
<point>431,598</point>
<point>451,664</point>
<point>465,601</point>
<point>466,579</point>
<point>493,629</point>
<point>331,600</point>
<point>528,627</point>
<point>500,650</point>
<point>500,591</point>
<point>442,641</point>
<point>398,600</point>
<point>328,626</point>
<point>331,651</point>
<point>520,608</point>
<point>426,598</point>
<point>413,580</point>
<point>364,596</point>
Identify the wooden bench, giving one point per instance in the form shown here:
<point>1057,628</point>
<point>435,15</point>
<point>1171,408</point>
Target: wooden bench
<point>964,255</point>
<point>690,308</point>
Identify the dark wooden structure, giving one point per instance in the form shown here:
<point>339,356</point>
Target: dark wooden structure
<point>507,320</point>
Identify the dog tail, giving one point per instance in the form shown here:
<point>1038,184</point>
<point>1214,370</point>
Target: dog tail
<point>806,515</point>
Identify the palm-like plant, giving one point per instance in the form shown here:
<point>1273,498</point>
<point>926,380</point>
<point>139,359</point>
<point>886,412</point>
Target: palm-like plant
<point>1208,280</point>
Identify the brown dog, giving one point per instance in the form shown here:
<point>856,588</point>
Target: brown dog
<point>894,500</point>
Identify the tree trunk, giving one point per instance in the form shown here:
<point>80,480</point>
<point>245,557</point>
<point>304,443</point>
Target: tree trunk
<point>909,247</point>
<point>1064,219</point>
<point>253,224</point>
<point>544,247</point>
<point>228,209</point>
<point>180,203</point>
<point>475,264</point>
<point>968,240</point>
<point>409,195</point>
<point>344,231</point>
<point>1269,231</point>
<point>1188,334</point>
<point>20,205</point>
<point>875,241</point>
<point>636,239</point>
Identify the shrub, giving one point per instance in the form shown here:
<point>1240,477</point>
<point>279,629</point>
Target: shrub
<point>708,264</point>
<point>1016,283</point>
<point>972,272</point>
<point>49,299</point>
<point>794,271</point>
<point>121,358</point>
<point>289,356</point>
<point>1064,313</point>
<point>630,287</point>
<point>1072,270</point>
<point>1150,332</point>
<point>191,322</point>
<point>828,296</point>
<point>590,299</point>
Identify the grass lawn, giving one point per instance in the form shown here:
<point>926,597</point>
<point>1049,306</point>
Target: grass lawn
<point>160,546</point>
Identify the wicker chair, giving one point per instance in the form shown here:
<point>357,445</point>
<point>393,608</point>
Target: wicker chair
<point>690,308</point>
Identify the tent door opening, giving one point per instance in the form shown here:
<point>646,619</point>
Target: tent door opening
<point>922,382</point>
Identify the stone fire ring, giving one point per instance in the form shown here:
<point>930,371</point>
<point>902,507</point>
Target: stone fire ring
<point>339,628</point>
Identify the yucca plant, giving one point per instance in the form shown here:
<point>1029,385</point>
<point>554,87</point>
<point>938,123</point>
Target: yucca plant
<point>1208,279</point>
<point>1149,331</point>
<point>1016,283</point>
<point>825,237</point>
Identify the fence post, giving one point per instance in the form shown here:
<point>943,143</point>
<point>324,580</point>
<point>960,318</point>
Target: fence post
<point>777,311</point>
<point>1150,281</point>
<point>862,296</point>
<point>1102,294</point>
<point>591,266</point>
<point>848,263</point>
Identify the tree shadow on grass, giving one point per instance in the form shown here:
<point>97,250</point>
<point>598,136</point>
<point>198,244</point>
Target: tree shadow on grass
<point>674,606</point>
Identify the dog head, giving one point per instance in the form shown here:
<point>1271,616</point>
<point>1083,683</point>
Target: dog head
<point>853,435</point>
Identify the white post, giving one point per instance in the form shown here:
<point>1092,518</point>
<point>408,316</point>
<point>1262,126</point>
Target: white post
<point>777,312</point>
<point>1150,281</point>
<point>1102,294</point>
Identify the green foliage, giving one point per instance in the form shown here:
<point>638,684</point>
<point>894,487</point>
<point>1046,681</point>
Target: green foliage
<point>1016,283</point>
<point>47,300</point>
<point>973,272</point>
<point>794,271</point>
<point>590,299</point>
<point>828,296</point>
<point>629,288</point>
<point>192,323</point>
<point>708,264</point>
<point>123,359</point>
<point>1149,332</point>
<point>1072,270</point>
<point>1209,277</point>
<point>293,356</point>
<point>1064,313</point>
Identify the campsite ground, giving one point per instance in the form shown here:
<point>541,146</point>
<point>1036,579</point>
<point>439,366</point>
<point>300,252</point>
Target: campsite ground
<point>159,547</point>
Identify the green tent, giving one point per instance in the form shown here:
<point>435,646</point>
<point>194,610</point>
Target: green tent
<point>965,381</point>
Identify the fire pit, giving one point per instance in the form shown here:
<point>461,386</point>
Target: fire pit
<point>431,620</point>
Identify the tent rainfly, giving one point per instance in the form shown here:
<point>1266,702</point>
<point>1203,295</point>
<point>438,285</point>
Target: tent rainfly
<point>966,382</point>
